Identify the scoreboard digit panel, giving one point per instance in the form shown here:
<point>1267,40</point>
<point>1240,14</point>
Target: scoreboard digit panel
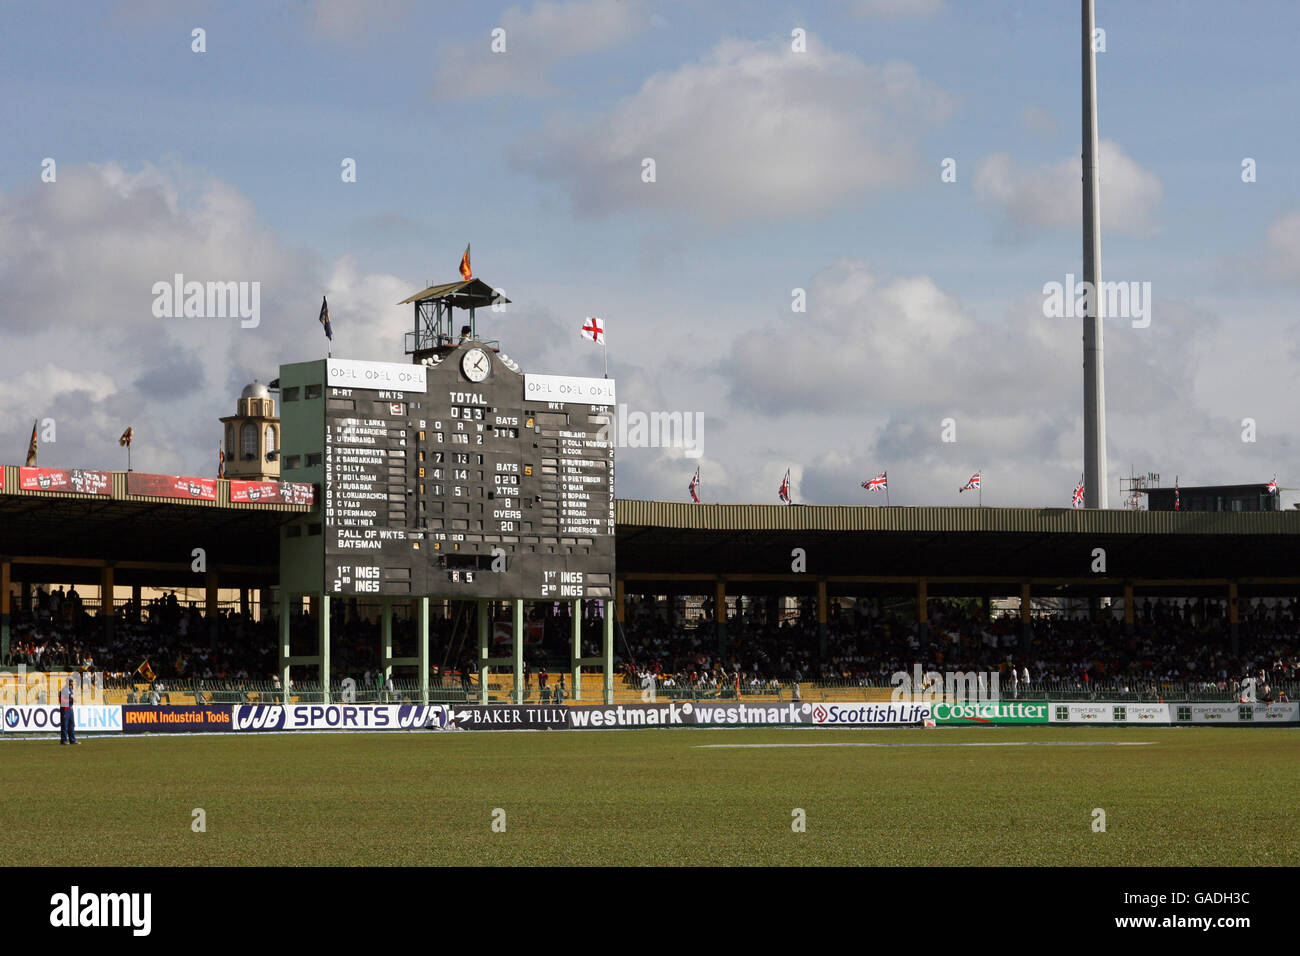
<point>485,483</point>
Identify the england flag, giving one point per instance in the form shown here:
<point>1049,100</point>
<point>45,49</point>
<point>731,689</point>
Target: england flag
<point>594,330</point>
<point>972,485</point>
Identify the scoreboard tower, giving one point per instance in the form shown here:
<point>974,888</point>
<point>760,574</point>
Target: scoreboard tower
<point>458,477</point>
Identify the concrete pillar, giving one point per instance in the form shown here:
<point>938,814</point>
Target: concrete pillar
<point>210,605</point>
<point>575,649</point>
<point>483,634</point>
<point>1234,629</point>
<point>285,622</point>
<point>923,613</point>
<point>518,649</point>
<point>720,612</point>
<point>385,637</point>
<point>106,601</point>
<point>823,639</point>
<point>620,601</point>
<point>323,636</point>
<point>608,654</point>
<point>210,595</point>
<point>1026,618</point>
<point>423,652</point>
<point>6,569</point>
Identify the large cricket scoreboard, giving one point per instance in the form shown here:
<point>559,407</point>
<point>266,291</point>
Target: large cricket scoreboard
<point>465,478</point>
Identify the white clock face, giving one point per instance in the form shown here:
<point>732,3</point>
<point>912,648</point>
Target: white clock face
<point>476,365</point>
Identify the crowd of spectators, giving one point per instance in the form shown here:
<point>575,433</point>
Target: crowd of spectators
<point>1187,642</point>
<point>765,647</point>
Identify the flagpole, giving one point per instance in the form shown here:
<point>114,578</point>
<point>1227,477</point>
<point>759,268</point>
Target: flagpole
<point>604,351</point>
<point>886,489</point>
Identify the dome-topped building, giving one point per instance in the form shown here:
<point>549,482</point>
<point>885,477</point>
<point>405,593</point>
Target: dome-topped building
<point>252,442</point>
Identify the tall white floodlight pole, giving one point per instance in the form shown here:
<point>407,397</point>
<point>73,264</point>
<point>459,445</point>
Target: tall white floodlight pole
<point>1094,375</point>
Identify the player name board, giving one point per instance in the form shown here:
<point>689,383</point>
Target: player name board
<point>450,481</point>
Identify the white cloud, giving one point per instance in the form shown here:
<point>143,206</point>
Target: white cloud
<point>78,260</point>
<point>1049,196</point>
<point>866,379</point>
<point>536,40</point>
<point>1280,257</point>
<point>752,130</point>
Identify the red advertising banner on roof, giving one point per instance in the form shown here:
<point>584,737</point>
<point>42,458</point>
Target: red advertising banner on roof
<point>171,486</point>
<point>76,480</point>
<point>289,492</point>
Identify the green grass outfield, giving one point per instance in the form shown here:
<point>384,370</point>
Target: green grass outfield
<point>657,797</point>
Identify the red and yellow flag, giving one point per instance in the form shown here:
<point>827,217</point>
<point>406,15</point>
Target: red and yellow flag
<point>465,271</point>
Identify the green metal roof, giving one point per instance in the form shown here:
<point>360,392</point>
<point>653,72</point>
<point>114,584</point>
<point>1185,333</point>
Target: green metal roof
<point>471,293</point>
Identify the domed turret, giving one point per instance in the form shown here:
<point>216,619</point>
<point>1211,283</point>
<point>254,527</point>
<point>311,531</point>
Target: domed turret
<point>252,442</point>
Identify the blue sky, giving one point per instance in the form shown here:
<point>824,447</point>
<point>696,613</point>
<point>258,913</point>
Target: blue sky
<point>775,170</point>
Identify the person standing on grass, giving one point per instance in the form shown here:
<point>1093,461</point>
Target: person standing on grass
<point>67,723</point>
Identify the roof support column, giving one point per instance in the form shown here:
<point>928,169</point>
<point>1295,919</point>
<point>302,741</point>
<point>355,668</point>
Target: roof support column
<point>517,655</point>
<point>285,642</point>
<point>1026,618</point>
<point>322,603</point>
<point>385,638</point>
<point>923,613</point>
<point>822,639</point>
<point>6,569</point>
<point>210,604</point>
<point>575,648</point>
<point>607,652</point>
<point>1234,630</point>
<point>483,630</point>
<point>720,613</point>
<point>106,601</point>
<point>422,651</point>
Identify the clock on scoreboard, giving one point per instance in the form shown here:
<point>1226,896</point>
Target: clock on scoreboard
<point>466,479</point>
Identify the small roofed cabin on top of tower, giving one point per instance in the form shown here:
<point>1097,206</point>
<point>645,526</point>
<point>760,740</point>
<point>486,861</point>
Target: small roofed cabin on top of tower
<point>436,332</point>
<point>252,439</point>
